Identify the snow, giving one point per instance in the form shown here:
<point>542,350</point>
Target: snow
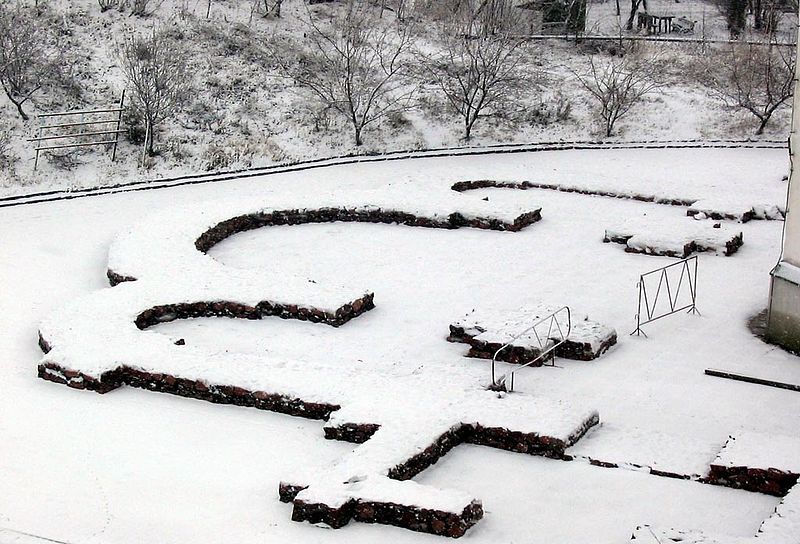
<point>727,208</point>
<point>86,467</point>
<point>647,449</point>
<point>757,450</point>
<point>500,326</point>
<point>674,238</point>
<point>788,272</point>
<point>96,334</point>
<point>780,527</point>
<point>406,492</point>
<point>649,535</point>
<point>177,230</point>
<point>784,524</point>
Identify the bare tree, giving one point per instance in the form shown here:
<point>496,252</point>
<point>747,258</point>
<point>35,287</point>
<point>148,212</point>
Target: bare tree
<point>735,13</point>
<point>476,76</point>
<point>564,16</point>
<point>755,78</point>
<point>273,8</point>
<point>618,84</point>
<point>157,72</point>
<point>634,10</point>
<point>28,56</point>
<point>265,8</point>
<point>356,66</point>
<point>767,14</point>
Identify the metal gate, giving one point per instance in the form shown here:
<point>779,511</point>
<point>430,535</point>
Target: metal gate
<point>676,281</point>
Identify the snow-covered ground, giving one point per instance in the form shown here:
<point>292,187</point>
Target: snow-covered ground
<point>134,466</point>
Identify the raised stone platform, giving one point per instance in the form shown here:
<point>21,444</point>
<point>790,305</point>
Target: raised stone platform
<point>757,462</point>
<point>374,484</point>
<point>720,209</point>
<point>675,240</point>
<point>487,331</point>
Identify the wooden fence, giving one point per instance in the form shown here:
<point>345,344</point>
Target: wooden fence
<point>52,132</point>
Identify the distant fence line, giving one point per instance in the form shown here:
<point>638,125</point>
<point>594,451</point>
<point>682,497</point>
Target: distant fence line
<point>606,37</point>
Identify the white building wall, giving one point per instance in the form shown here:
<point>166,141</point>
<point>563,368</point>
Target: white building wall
<point>783,326</point>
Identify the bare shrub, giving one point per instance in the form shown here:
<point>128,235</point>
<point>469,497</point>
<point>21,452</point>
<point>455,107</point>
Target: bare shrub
<point>477,17</point>
<point>755,78</point>
<point>144,8</point>
<point>133,120</point>
<point>28,54</point>
<point>65,159</point>
<point>157,72</point>
<point>237,152</point>
<point>617,84</point>
<point>556,108</point>
<point>7,157</point>
<point>355,65</point>
<point>266,8</point>
<point>476,76</point>
<point>106,5</point>
<point>139,8</point>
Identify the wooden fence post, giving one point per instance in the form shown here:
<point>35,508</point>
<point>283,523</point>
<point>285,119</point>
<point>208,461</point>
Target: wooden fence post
<point>119,124</point>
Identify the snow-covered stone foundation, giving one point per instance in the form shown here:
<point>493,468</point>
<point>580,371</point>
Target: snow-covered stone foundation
<point>680,239</point>
<point>719,209</point>
<point>486,331</point>
<point>756,462</point>
<point>716,208</point>
<point>402,423</point>
<point>383,492</point>
<point>471,185</point>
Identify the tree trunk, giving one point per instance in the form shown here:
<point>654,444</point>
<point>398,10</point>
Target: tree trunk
<point>610,119</point>
<point>149,139</point>
<point>468,123</point>
<point>357,131</point>
<point>22,113</point>
<point>758,20</point>
<point>736,17</point>
<point>762,125</point>
<point>634,9</point>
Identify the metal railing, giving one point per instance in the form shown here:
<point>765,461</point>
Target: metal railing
<point>688,272</point>
<point>547,343</point>
<point>111,136</point>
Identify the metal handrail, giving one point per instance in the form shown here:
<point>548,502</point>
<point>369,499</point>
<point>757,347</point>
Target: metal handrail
<point>500,385</point>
